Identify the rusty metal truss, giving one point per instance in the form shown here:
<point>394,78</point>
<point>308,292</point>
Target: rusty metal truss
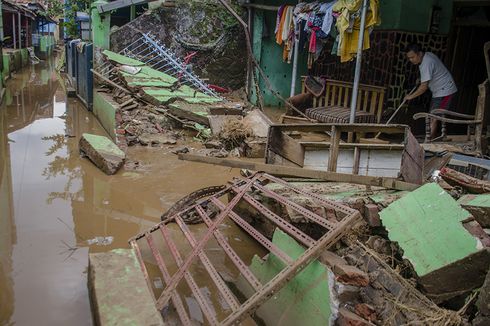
<point>341,219</point>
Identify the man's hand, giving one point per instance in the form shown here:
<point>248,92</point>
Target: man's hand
<point>420,90</point>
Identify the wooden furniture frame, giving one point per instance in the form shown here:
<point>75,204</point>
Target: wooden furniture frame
<point>474,122</point>
<point>338,93</point>
<point>403,158</point>
<point>478,121</point>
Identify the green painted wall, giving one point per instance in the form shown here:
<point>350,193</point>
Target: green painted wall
<point>305,300</point>
<point>101,25</point>
<point>105,111</point>
<point>2,84</point>
<point>406,15</point>
<point>6,66</point>
<point>269,54</point>
<point>414,15</point>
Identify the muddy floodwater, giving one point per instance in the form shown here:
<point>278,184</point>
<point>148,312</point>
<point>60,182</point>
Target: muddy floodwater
<point>56,207</point>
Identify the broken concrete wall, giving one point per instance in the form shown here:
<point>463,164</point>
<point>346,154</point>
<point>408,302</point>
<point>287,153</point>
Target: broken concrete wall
<point>428,226</point>
<point>203,26</point>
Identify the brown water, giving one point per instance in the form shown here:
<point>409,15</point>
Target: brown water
<point>53,203</point>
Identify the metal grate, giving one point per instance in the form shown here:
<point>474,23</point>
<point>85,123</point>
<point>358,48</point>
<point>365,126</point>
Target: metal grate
<point>155,55</point>
<point>241,191</point>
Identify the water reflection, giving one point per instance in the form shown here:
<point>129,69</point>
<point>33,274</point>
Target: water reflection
<point>55,206</point>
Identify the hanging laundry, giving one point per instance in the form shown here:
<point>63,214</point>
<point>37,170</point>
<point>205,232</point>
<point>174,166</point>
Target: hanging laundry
<point>280,26</point>
<point>278,18</point>
<point>327,10</point>
<point>349,24</point>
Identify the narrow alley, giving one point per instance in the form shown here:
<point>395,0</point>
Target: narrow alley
<point>57,206</point>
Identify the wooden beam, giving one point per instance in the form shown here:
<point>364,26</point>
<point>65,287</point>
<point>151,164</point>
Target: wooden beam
<point>390,183</point>
<point>286,147</point>
<point>324,144</point>
<point>356,127</point>
<point>260,7</point>
<point>334,149</point>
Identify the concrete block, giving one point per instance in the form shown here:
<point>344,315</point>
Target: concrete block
<point>478,206</point>
<point>371,215</point>
<point>254,148</point>
<point>156,139</point>
<point>102,152</point>
<point>258,122</point>
<point>428,225</point>
<point>344,273</point>
<point>119,293</point>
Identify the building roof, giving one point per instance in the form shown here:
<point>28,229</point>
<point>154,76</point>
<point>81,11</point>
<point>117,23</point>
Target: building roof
<point>16,7</point>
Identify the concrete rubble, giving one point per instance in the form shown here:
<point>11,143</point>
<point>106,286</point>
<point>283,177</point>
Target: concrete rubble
<point>150,111</point>
<point>115,280</point>
<point>102,152</point>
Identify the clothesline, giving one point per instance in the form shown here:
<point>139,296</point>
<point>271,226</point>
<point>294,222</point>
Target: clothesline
<point>313,23</point>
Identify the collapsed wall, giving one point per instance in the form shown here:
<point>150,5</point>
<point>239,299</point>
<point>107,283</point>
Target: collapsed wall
<point>203,26</point>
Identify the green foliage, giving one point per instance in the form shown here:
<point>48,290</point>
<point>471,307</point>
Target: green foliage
<point>54,8</point>
<point>70,13</point>
<point>70,22</point>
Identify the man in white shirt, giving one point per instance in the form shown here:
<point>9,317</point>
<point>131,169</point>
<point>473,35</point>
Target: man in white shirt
<point>434,76</point>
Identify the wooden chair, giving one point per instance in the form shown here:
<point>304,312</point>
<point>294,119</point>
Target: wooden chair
<point>478,121</point>
<point>333,105</point>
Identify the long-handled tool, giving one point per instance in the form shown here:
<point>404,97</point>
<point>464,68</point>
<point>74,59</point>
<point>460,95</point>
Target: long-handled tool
<point>375,139</point>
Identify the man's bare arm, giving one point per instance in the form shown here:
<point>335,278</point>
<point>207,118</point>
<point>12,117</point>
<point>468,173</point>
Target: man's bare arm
<point>423,87</point>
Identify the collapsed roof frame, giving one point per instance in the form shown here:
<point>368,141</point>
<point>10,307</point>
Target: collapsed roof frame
<point>341,220</point>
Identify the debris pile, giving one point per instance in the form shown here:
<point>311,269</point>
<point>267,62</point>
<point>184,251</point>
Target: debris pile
<point>154,108</point>
<point>417,257</point>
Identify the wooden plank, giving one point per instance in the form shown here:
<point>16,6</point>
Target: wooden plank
<point>355,127</point>
<point>357,158</point>
<point>339,98</point>
<point>347,97</point>
<point>286,146</point>
<point>365,102</point>
<point>353,145</point>
<point>390,183</point>
<point>380,107</point>
<point>327,94</point>
<point>359,100</point>
<point>334,149</point>
<point>412,167</point>
<point>372,108</point>
<point>289,119</point>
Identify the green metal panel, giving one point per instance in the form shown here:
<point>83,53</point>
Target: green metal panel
<point>426,223</point>
<point>6,66</point>
<point>305,300</point>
